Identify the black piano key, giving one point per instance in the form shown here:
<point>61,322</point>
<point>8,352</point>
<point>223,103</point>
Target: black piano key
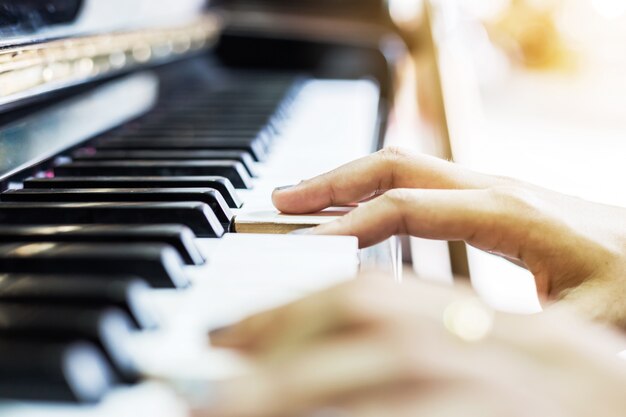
<point>255,148</point>
<point>203,195</point>
<point>214,118</point>
<point>231,104</point>
<point>248,117</point>
<point>197,216</point>
<point>173,124</point>
<point>251,135</point>
<point>221,184</point>
<point>232,170</point>
<point>109,329</point>
<point>53,372</point>
<point>204,113</point>
<point>179,237</point>
<point>209,117</point>
<point>226,108</point>
<point>158,264</point>
<point>216,103</point>
<point>240,131</point>
<point>97,291</point>
<point>89,154</point>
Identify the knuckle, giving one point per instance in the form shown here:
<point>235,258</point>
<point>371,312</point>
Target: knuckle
<point>394,154</point>
<point>402,203</point>
<point>517,200</point>
<point>395,151</point>
<point>398,197</point>
<point>390,160</point>
<point>521,210</point>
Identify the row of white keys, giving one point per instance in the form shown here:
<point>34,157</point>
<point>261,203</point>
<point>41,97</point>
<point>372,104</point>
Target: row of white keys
<point>332,122</point>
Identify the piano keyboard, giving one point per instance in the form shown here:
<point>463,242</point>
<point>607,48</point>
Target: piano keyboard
<point>116,258</point>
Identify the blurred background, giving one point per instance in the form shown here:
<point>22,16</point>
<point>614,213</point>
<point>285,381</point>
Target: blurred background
<point>534,89</point>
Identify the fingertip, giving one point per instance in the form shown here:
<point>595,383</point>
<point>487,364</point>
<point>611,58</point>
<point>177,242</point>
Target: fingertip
<point>367,223</point>
<point>220,331</point>
<point>225,337</point>
<point>278,198</point>
<point>296,199</point>
<point>286,198</point>
<point>334,228</point>
<point>312,195</point>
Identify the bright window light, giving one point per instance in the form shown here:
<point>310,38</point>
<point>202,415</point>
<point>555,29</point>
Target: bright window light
<point>609,9</point>
<point>405,10</point>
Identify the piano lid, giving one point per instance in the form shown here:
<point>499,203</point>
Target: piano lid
<point>28,21</point>
<point>30,15</point>
<point>376,10</point>
<point>71,42</point>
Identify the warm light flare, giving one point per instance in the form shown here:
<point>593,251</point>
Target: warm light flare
<point>405,10</point>
<point>469,320</point>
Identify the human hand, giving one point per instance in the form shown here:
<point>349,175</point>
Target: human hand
<point>575,249</point>
<point>370,348</point>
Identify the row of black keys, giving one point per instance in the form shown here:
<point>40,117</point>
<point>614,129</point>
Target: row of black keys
<point>127,205</point>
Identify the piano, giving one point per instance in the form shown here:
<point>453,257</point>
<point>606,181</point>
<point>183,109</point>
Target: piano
<point>133,134</point>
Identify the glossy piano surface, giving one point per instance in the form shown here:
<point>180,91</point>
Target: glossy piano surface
<point>30,21</point>
<point>29,141</point>
<point>191,145</point>
<point>322,127</point>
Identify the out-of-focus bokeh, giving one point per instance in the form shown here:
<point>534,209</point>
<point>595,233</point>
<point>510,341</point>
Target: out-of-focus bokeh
<point>539,33</point>
<point>534,89</point>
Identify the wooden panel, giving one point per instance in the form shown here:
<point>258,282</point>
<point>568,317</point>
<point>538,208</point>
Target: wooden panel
<point>273,222</point>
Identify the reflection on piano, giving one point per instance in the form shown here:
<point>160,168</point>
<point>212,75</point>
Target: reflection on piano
<point>126,157</point>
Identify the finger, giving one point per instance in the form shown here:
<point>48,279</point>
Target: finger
<point>468,398</point>
<point>384,170</point>
<point>312,315</point>
<point>369,301</point>
<point>344,367</point>
<point>594,299</point>
<point>479,217</point>
<point>320,374</point>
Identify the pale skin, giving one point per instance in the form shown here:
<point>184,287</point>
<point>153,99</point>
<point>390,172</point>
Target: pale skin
<point>374,348</point>
<point>575,249</point>
<point>371,348</point>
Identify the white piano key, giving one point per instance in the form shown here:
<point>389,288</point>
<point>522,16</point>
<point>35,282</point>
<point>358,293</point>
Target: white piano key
<point>245,274</point>
<point>332,123</point>
<point>248,273</point>
<point>274,222</point>
<point>274,272</point>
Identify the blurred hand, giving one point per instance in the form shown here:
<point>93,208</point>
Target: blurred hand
<point>575,249</point>
<point>372,348</point>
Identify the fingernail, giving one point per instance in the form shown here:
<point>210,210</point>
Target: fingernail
<point>220,331</point>
<point>304,231</point>
<point>284,187</point>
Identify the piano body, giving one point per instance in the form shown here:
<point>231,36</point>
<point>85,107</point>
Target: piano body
<point>133,135</point>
